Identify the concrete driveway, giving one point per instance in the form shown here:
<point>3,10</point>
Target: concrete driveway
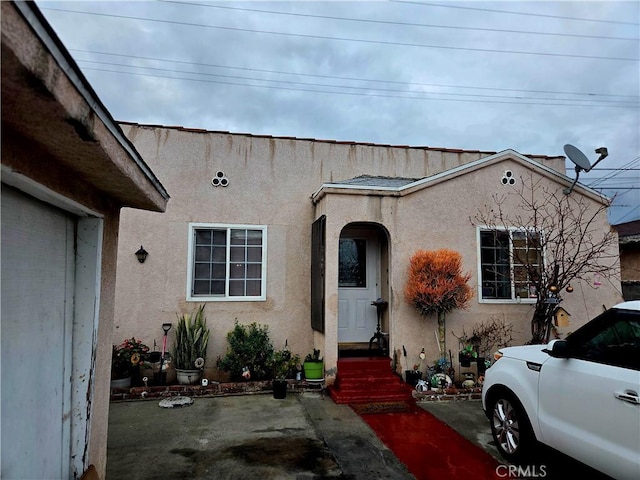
<point>303,437</point>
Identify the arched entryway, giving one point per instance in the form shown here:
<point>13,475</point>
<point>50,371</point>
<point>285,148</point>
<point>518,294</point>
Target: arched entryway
<point>363,255</point>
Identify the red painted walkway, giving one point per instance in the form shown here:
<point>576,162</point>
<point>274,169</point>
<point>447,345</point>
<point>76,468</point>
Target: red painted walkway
<point>430,449</point>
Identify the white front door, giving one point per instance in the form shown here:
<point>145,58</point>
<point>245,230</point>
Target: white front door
<point>358,286</point>
<point>37,309</point>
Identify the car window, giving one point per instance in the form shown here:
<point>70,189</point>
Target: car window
<point>614,339</point>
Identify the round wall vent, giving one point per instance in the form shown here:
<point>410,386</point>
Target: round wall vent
<point>508,178</point>
<point>219,180</point>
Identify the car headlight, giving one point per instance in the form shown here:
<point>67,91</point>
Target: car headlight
<point>497,356</point>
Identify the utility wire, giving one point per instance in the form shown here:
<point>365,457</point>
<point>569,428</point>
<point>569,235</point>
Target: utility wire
<point>410,97</point>
<point>516,13</point>
<point>359,79</point>
<point>614,174</point>
<point>404,24</point>
<point>349,87</point>
<point>346,39</point>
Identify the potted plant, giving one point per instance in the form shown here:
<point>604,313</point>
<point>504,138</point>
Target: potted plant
<point>467,355</point>
<point>414,375</point>
<point>190,349</point>
<point>285,364</point>
<point>313,366</point>
<point>126,359</point>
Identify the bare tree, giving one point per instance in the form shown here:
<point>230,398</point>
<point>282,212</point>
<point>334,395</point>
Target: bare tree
<point>566,242</point>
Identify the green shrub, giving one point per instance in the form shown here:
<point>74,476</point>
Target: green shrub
<point>249,347</point>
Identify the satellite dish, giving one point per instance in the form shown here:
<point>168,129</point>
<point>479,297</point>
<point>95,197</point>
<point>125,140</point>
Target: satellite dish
<point>581,161</point>
<point>576,156</point>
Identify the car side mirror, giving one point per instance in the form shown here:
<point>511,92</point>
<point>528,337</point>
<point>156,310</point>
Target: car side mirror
<point>558,349</point>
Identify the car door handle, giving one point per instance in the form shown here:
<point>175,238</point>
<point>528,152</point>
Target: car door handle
<point>628,396</point>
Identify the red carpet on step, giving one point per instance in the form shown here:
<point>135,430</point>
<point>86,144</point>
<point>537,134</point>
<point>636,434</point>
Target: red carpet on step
<point>430,449</point>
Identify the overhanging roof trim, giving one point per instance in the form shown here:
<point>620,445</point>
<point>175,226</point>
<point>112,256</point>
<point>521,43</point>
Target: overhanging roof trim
<point>424,182</point>
<point>50,40</point>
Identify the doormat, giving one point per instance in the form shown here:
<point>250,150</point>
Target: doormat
<point>429,448</point>
<point>373,408</point>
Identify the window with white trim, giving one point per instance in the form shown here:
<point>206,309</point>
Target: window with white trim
<point>509,260</point>
<point>227,262</point>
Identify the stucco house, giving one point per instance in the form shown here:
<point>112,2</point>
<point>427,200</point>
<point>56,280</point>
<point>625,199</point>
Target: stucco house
<point>67,169</point>
<point>304,234</point>
<point>629,242</point>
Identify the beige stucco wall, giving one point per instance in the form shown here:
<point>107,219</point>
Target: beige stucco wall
<point>441,217</point>
<point>270,183</point>
<point>61,146</point>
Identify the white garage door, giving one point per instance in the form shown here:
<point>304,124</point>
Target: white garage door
<point>37,308</point>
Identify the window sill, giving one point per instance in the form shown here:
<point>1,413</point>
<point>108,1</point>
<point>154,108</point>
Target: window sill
<point>526,301</point>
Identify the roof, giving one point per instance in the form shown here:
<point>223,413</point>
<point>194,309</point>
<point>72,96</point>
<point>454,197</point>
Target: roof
<point>374,186</point>
<point>47,101</point>
<point>338,142</point>
<point>372,181</point>
<point>628,228</point>
<point>628,233</point>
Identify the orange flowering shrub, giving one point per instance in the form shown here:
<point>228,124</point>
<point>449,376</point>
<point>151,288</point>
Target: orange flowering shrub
<point>436,282</point>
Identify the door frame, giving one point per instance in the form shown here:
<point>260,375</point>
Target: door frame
<point>378,233</point>
<point>85,313</point>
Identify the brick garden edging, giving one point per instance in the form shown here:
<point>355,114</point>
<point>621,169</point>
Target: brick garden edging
<point>449,394</point>
<point>217,389</point>
<point>214,389</point>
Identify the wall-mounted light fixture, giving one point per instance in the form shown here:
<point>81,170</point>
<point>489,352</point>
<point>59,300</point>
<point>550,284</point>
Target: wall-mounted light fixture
<point>142,254</point>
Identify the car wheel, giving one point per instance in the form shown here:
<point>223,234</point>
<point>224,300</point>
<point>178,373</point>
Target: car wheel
<point>510,428</point>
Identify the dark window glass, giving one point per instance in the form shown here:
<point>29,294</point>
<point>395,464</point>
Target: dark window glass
<point>352,270</point>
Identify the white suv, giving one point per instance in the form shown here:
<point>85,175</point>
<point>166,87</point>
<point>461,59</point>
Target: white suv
<point>580,396</point>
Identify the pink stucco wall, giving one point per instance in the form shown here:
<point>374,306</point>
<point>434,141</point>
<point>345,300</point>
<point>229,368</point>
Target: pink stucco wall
<point>271,181</point>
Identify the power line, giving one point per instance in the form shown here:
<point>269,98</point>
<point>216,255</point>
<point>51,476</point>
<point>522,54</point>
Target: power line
<point>359,79</point>
<point>517,13</point>
<point>404,24</point>
<point>614,174</point>
<point>555,104</point>
<point>350,87</point>
<point>345,39</point>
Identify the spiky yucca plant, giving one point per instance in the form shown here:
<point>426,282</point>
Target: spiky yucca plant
<point>192,337</point>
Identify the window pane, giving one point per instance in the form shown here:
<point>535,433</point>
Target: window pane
<point>219,237</point>
<point>203,254</point>
<point>254,270</point>
<point>203,237</point>
<point>254,237</point>
<point>217,287</point>
<point>203,271</point>
<point>201,287</point>
<point>495,265</point>
<point>218,271</point>
<point>236,288</point>
<point>352,263</point>
<point>253,288</point>
<point>254,254</point>
<point>237,254</point>
<point>238,237</point>
<point>219,254</point>
<point>237,270</point>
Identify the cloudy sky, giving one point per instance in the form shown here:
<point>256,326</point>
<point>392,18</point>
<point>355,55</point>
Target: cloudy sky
<point>532,76</point>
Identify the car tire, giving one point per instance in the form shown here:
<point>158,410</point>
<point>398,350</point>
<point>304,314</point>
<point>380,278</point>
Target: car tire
<point>510,427</point>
